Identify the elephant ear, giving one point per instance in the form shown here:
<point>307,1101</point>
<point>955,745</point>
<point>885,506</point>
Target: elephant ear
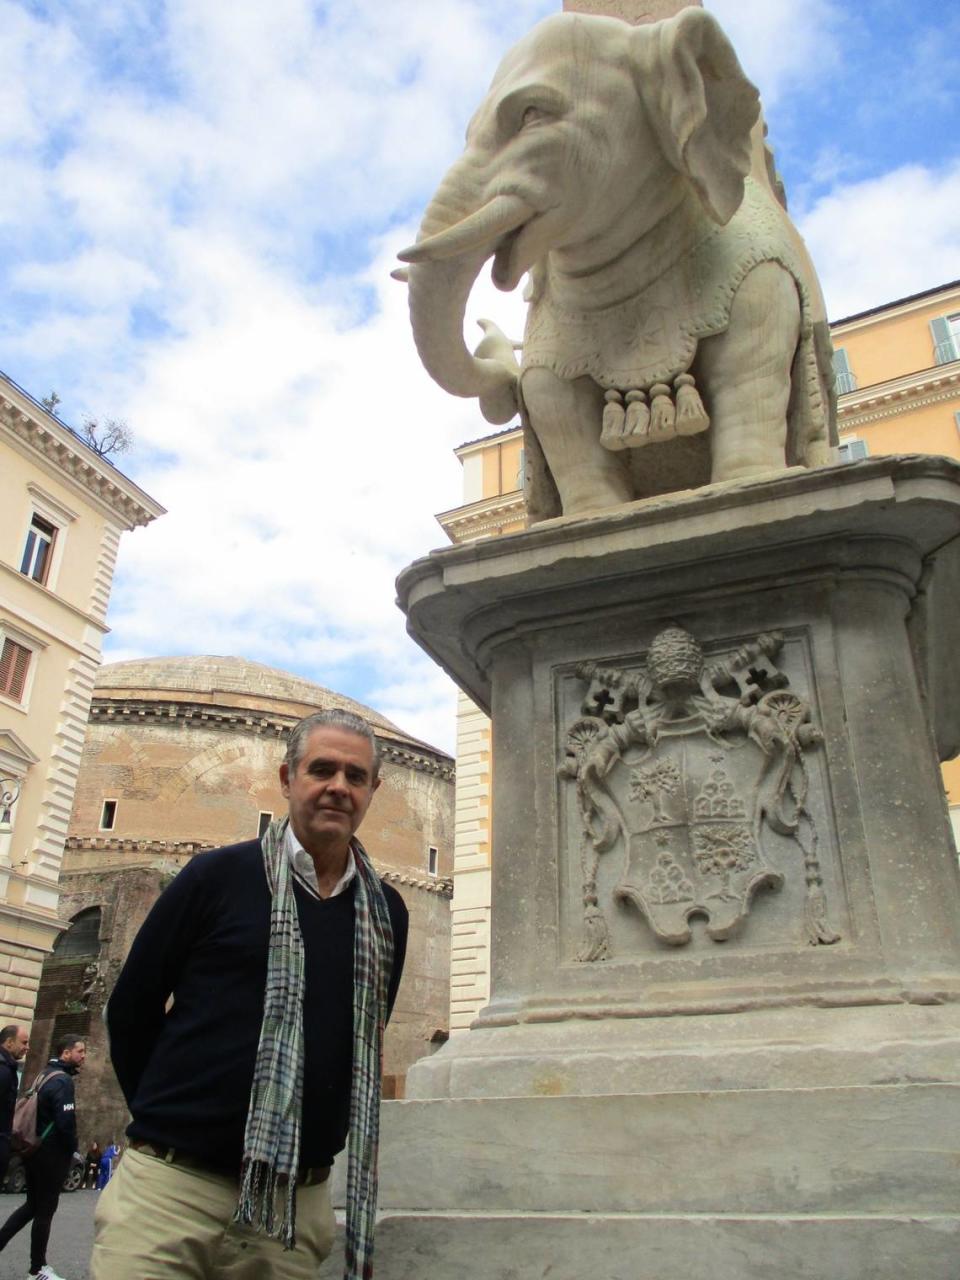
<point>700,104</point>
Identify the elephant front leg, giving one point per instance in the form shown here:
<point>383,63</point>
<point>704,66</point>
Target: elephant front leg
<point>746,374</point>
<point>566,419</point>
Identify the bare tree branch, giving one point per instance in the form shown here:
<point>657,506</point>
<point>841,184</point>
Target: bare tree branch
<point>112,435</point>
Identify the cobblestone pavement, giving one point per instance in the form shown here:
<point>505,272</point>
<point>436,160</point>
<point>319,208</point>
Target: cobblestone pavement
<point>70,1240</point>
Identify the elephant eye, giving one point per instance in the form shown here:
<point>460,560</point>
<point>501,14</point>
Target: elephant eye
<point>533,115</point>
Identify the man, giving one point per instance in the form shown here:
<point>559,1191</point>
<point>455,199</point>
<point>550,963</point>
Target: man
<point>282,957</point>
<point>14,1043</point>
<point>47,1166</point>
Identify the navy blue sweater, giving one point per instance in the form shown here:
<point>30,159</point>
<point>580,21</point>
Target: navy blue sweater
<point>9,1084</point>
<point>186,1071</point>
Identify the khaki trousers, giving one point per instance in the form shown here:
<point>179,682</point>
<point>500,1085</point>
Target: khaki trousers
<point>160,1221</point>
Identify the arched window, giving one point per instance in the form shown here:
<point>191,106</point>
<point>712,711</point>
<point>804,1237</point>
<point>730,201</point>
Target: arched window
<point>82,938</point>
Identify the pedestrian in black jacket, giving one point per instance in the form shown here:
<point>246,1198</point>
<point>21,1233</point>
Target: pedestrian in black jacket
<point>47,1166</point>
<point>14,1043</point>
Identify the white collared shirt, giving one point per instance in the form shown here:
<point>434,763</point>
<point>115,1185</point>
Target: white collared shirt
<point>301,864</point>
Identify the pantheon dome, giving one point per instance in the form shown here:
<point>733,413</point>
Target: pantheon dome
<point>182,753</point>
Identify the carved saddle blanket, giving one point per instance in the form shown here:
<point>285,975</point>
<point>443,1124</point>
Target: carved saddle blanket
<point>651,338</point>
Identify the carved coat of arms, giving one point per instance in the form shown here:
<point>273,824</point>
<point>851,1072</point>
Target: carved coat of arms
<point>683,766</point>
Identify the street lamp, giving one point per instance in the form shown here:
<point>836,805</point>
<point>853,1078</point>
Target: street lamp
<point>9,794</point>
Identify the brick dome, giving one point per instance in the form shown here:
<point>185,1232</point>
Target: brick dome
<point>234,682</point>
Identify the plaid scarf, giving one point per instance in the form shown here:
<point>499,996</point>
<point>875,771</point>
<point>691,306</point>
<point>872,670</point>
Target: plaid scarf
<point>271,1149</point>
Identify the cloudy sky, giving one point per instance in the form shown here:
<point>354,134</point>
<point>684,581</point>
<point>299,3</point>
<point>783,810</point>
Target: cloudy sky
<point>200,204</point>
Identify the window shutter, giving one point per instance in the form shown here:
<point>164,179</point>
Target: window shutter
<point>853,450</point>
<point>14,662</point>
<point>842,371</point>
<point>944,347</point>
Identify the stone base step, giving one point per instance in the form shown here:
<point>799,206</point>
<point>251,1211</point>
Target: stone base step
<point>884,1149</point>
<point>520,1246</point>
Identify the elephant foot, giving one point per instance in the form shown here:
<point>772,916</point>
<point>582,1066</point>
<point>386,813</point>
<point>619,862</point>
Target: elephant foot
<point>724,475</point>
<point>596,502</point>
<point>821,454</point>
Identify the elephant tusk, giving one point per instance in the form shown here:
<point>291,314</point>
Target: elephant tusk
<point>497,218</point>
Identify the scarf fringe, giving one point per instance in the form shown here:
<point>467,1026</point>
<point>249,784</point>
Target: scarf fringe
<point>268,1202</point>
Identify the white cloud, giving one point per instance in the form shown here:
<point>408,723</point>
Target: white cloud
<point>308,460</point>
<point>780,42</point>
<point>100,273</point>
<point>886,238</point>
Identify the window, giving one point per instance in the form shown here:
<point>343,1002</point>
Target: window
<point>38,550</point>
<point>521,471</point>
<point>946,338</point>
<point>846,381</point>
<point>433,860</point>
<point>108,815</point>
<point>852,449</point>
<point>82,938</point>
<point>14,665</point>
<point>263,822</point>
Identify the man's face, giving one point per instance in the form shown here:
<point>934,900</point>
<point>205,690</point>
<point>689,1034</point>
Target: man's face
<point>331,790</point>
<point>77,1055</point>
<point>18,1044</point>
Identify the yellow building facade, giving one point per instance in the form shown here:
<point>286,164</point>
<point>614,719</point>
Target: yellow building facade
<point>898,379</point>
<point>63,509</point>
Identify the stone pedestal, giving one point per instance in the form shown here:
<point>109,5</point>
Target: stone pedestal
<point>723,1031</point>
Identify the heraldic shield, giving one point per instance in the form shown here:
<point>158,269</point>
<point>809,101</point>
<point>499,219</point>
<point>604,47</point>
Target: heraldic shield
<point>682,766</point>
<point>692,846</point>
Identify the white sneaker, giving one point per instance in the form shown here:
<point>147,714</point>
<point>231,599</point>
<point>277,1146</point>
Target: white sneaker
<point>46,1272</point>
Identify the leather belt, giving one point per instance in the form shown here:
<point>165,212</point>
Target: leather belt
<point>173,1155</point>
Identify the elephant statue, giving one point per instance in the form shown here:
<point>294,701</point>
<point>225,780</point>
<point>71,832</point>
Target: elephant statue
<point>676,334</point>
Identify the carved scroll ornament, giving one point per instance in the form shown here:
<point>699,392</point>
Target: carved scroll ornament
<point>684,765</point>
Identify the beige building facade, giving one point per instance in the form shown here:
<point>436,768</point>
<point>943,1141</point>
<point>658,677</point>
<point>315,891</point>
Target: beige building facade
<point>898,383</point>
<point>181,755</point>
<point>63,510</point>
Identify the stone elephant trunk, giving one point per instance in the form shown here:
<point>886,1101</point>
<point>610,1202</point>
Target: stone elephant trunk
<point>457,236</point>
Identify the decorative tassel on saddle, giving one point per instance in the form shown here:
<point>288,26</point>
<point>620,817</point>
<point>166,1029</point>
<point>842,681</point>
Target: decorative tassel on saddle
<point>611,436</point>
<point>652,414</point>
<point>691,415</point>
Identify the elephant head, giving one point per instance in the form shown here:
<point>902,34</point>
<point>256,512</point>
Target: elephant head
<point>592,134</point>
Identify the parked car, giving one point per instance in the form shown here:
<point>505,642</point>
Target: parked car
<point>16,1180</point>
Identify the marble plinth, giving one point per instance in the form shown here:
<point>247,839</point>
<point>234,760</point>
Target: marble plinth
<point>725,989</point>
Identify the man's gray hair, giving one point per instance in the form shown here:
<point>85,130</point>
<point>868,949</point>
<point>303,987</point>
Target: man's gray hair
<point>334,718</point>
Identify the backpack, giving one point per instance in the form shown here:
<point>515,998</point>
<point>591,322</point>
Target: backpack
<point>23,1136</point>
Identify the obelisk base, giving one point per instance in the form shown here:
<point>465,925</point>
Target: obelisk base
<point>773,1092</point>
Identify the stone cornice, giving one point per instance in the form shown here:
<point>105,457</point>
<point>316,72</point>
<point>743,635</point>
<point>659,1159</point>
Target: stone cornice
<point>441,885</point>
<point>483,442</point>
<point>427,884</point>
<point>118,844</point>
<point>41,432</point>
<point>899,395</point>
<point>946,299</point>
<point>183,712</point>
<point>483,518</point>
